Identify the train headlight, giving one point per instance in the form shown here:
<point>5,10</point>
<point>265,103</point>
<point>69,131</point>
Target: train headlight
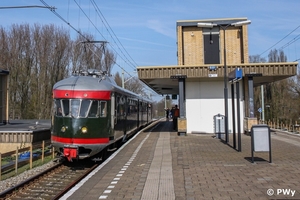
<point>63,129</point>
<point>84,130</point>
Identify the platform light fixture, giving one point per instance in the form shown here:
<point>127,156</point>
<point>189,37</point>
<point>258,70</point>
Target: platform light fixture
<point>241,23</point>
<point>206,25</point>
<point>224,27</point>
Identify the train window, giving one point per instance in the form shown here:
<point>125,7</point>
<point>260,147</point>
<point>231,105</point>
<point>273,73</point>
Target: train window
<point>118,99</point>
<point>66,107</point>
<point>57,108</point>
<point>121,111</point>
<point>75,107</point>
<point>94,109</point>
<point>85,104</point>
<point>103,109</point>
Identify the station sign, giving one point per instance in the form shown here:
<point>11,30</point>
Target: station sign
<point>235,75</point>
<point>212,75</point>
<point>178,76</point>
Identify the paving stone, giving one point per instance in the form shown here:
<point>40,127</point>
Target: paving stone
<point>168,166</point>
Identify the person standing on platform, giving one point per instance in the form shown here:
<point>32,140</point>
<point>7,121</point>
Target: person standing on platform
<point>175,114</point>
<point>167,113</point>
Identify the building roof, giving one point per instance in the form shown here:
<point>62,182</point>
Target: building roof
<point>159,79</point>
<point>4,72</point>
<point>218,21</point>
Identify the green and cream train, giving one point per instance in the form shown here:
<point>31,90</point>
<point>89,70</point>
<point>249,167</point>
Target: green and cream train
<point>91,112</point>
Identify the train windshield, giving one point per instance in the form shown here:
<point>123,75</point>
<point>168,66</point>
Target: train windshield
<point>75,106</point>
<point>80,108</point>
<point>85,104</point>
<point>94,109</point>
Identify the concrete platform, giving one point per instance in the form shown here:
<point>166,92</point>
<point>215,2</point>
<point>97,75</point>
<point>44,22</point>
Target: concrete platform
<point>159,164</point>
<point>25,125</point>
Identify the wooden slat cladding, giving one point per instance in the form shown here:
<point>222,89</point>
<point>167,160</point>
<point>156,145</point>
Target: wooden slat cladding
<point>192,71</point>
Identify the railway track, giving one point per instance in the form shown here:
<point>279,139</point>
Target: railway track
<point>56,181</point>
<point>50,184</point>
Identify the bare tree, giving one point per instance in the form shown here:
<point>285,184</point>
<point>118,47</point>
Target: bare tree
<point>118,79</point>
<point>36,57</point>
<point>158,108</point>
<point>19,45</point>
<point>84,53</point>
<point>279,95</point>
<point>39,56</point>
<point>256,59</point>
<point>109,61</point>
<point>134,84</point>
<point>52,49</point>
<point>90,54</point>
<point>131,83</point>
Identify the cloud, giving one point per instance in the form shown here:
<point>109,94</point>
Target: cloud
<point>146,42</point>
<point>161,28</point>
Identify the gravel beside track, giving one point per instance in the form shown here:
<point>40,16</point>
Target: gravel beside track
<point>13,181</point>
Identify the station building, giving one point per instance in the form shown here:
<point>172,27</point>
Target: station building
<point>210,53</point>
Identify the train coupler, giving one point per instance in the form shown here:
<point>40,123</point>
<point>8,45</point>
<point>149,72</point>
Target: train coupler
<point>70,153</point>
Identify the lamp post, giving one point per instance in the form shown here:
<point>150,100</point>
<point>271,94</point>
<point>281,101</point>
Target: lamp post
<point>268,116</point>
<point>224,27</point>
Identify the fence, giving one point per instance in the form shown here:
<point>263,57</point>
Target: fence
<point>290,126</point>
<point>21,161</point>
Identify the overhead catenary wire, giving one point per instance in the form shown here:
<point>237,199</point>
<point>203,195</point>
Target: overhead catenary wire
<point>60,17</point>
<point>99,11</point>
<point>37,6</point>
<point>124,57</point>
<point>280,41</point>
<point>295,39</point>
<point>81,34</point>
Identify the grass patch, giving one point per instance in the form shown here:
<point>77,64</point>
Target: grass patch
<point>11,173</point>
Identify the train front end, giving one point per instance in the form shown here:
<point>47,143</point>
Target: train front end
<point>80,123</point>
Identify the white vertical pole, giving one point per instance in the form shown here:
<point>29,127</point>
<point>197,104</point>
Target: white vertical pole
<point>123,78</point>
<point>262,104</point>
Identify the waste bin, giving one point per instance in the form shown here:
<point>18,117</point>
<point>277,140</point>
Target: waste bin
<point>219,126</point>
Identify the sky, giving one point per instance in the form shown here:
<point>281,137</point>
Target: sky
<point>143,32</point>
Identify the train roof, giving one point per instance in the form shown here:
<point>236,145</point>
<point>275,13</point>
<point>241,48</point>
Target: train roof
<point>93,81</point>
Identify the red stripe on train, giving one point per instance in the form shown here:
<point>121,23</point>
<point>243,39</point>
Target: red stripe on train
<point>82,94</point>
<point>80,140</point>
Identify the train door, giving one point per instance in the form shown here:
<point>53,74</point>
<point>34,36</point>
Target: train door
<point>120,115</point>
<point>131,115</point>
<point>138,113</point>
<point>113,111</point>
<point>125,113</point>
<point>149,111</point>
